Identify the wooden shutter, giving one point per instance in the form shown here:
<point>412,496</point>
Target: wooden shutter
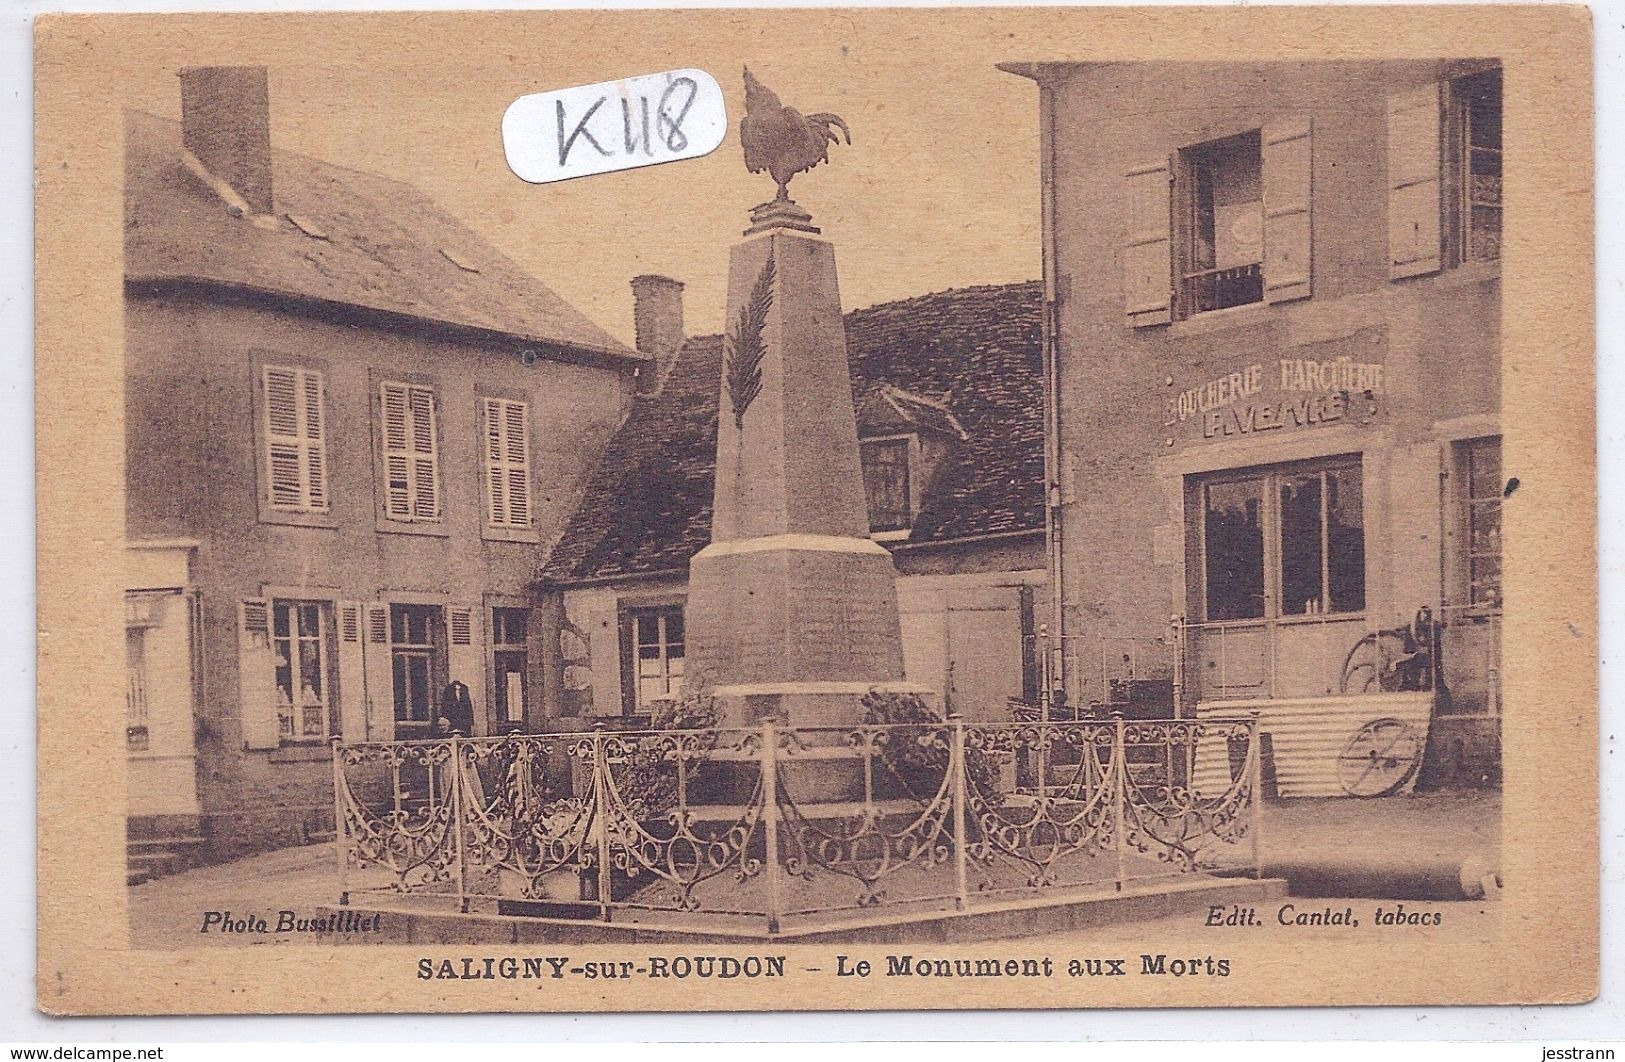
<point>378,666</point>
<point>256,675</point>
<point>507,462</point>
<point>465,659</point>
<point>627,664</point>
<point>1147,246</point>
<point>411,452</point>
<point>1288,229</point>
<point>295,439</point>
<point>352,673</point>
<point>1414,171</point>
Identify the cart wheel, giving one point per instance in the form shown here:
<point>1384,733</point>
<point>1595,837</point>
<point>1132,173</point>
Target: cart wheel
<point>1380,758</point>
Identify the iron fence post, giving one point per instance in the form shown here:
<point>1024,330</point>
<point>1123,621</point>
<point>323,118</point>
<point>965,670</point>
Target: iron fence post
<point>454,774</point>
<point>1178,637</point>
<point>770,818</point>
<point>340,827</point>
<point>1119,795</point>
<point>956,765</point>
<point>600,819</point>
<point>1254,742</point>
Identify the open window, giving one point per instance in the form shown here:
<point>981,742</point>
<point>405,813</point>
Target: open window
<point>417,656</point>
<point>1475,124</point>
<point>1444,174</point>
<point>1224,226</point>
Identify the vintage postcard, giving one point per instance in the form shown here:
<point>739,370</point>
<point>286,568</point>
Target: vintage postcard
<point>816,509</point>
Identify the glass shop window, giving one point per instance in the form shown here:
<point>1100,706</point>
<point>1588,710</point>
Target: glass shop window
<point>1287,542</point>
<point>1233,534</point>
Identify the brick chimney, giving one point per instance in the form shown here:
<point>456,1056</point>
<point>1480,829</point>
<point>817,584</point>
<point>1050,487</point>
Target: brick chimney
<point>657,313</point>
<point>226,125</point>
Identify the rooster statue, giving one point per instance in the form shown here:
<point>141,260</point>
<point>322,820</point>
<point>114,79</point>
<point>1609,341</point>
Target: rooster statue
<point>782,140</point>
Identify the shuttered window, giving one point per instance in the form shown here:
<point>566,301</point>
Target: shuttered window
<point>411,452</point>
<point>295,439</point>
<point>507,462</point>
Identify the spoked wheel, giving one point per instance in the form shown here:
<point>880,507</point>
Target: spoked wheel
<point>1369,666</point>
<point>1380,758</point>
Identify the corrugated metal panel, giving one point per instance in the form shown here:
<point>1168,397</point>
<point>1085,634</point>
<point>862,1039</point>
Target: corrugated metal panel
<point>1307,736</point>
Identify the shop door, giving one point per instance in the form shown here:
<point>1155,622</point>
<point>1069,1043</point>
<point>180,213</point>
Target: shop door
<point>1278,581</point>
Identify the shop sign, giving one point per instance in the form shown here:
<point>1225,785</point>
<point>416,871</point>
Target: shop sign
<point>1320,384</point>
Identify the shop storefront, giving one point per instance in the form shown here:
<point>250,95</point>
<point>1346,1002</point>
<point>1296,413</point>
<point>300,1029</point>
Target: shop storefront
<point>1275,398</point>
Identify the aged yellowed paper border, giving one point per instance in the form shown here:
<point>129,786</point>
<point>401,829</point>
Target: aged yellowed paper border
<point>1546,946</point>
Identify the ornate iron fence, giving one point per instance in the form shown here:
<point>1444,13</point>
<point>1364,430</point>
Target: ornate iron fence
<point>784,827</point>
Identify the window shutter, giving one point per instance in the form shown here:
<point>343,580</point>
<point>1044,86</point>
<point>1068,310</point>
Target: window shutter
<point>1148,246</point>
<point>462,624</point>
<point>295,439</point>
<point>465,659</point>
<point>1288,230</point>
<point>628,664</point>
<point>425,457</point>
<point>1414,238</point>
<point>316,440</point>
<point>378,625</point>
<point>378,666</point>
<point>397,452</point>
<point>256,675</point>
<point>507,462</point>
<point>352,674</point>
<point>411,452</point>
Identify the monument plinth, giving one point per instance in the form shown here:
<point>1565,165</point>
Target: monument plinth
<point>792,608</point>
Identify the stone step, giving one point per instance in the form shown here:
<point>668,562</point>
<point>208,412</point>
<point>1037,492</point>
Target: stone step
<point>147,858</point>
<point>162,844</point>
<point>1063,911</point>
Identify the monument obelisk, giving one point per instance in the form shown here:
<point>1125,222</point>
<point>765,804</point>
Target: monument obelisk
<point>792,608</point>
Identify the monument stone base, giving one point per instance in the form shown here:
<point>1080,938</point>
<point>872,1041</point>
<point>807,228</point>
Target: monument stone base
<point>797,627</point>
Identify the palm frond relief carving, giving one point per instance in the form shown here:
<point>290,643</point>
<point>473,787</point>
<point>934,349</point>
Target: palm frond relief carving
<point>744,346</point>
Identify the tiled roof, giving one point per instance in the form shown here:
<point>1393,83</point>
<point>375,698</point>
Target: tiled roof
<point>974,351</point>
<point>341,236</point>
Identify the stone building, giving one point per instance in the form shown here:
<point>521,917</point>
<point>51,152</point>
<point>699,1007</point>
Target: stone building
<point>351,427</point>
<point>1273,296</point>
<point>948,396</point>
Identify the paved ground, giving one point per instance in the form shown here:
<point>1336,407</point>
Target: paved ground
<point>1439,829</point>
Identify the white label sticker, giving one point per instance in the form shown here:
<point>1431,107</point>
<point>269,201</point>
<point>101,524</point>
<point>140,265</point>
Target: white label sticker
<point>616,125</point>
